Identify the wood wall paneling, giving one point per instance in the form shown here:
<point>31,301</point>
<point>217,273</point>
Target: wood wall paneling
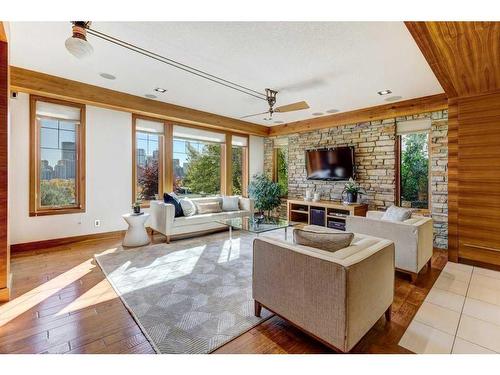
<point>479,178</point>
<point>403,108</point>
<point>4,233</point>
<point>47,85</point>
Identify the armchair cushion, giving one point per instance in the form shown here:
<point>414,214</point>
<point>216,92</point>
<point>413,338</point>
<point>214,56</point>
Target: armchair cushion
<point>172,199</point>
<point>394,213</point>
<point>329,241</point>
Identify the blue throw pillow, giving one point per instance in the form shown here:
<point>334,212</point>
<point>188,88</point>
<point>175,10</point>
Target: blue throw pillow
<point>172,199</point>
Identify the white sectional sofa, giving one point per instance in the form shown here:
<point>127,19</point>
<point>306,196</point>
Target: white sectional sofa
<point>413,238</point>
<point>163,218</point>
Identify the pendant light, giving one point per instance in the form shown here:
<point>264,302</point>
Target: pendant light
<point>77,44</point>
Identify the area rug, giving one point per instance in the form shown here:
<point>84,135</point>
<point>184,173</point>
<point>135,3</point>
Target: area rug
<point>189,296</point>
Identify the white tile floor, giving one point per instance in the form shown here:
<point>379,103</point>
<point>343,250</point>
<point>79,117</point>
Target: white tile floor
<point>460,315</point>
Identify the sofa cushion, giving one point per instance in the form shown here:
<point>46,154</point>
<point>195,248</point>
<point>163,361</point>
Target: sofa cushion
<point>230,203</point>
<point>329,241</point>
<point>188,207</point>
<point>172,199</point>
<point>394,213</point>
<point>208,208</point>
<point>207,218</point>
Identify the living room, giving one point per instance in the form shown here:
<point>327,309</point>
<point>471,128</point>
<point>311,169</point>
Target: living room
<point>168,195</point>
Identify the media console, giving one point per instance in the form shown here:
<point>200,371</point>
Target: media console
<point>331,214</point>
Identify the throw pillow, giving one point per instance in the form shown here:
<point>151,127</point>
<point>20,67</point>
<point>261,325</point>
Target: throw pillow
<point>188,207</point>
<point>231,203</point>
<point>172,199</point>
<point>322,240</point>
<point>208,208</point>
<point>394,213</point>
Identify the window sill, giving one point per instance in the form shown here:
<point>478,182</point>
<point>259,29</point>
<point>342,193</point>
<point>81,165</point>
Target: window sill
<point>57,211</point>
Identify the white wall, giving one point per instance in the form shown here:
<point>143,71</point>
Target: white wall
<point>108,176</point>
<point>256,153</point>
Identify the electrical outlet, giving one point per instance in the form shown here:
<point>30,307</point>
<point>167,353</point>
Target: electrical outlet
<point>97,223</point>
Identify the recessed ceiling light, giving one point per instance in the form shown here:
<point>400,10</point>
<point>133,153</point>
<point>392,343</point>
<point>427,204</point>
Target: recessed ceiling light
<point>279,122</point>
<point>150,96</point>
<point>393,98</point>
<point>107,75</point>
<point>159,89</point>
<point>317,113</point>
<point>384,92</point>
<point>332,111</point>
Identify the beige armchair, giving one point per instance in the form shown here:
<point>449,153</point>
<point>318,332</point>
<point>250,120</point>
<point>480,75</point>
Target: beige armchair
<point>413,238</point>
<point>335,297</point>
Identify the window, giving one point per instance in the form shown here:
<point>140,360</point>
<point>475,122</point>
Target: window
<point>281,168</point>
<point>57,157</point>
<point>413,154</point>
<point>148,159</point>
<point>197,156</point>
<point>239,160</point>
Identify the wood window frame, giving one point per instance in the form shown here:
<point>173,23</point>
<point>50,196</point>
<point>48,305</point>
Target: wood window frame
<point>244,168</point>
<point>35,208</point>
<point>165,157</point>
<point>425,211</point>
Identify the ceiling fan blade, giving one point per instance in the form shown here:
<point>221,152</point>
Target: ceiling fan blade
<point>292,107</point>
<point>255,114</point>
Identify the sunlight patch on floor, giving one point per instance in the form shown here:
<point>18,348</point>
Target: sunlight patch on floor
<point>230,251</point>
<point>28,300</point>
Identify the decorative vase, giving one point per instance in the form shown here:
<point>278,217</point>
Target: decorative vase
<point>316,197</point>
<point>137,209</point>
<point>352,197</point>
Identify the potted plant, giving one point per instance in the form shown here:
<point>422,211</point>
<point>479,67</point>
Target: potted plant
<point>351,189</point>
<point>266,194</point>
<point>137,207</point>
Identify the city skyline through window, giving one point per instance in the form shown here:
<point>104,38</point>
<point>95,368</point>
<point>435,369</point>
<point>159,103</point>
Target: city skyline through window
<point>147,164</point>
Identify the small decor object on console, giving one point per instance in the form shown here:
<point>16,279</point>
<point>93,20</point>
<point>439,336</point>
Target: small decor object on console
<point>137,207</point>
<point>351,189</point>
<point>308,196</point>
<point>317,197</point>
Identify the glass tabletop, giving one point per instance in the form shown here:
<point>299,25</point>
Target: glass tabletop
<point>250,224</point>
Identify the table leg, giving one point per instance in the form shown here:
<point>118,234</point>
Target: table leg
<point>230,236</point>
<point>286,232</point>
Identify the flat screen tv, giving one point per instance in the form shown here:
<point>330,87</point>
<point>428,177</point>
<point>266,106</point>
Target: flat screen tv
<point>332,164</point>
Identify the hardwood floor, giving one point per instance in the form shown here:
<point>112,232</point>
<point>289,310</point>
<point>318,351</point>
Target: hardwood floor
<point>62,303</point>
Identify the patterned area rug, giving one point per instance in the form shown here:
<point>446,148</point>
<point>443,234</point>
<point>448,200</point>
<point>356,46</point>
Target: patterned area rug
<point>189,296</point>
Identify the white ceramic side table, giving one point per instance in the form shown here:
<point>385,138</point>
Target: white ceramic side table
<point>136,234</point>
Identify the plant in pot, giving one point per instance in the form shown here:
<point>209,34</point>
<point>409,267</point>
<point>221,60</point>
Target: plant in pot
<point>351,190</point>
<point>137,207</point>
<point>265,193</point>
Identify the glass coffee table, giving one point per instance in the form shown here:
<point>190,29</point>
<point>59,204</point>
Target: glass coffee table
<point>252,225</point>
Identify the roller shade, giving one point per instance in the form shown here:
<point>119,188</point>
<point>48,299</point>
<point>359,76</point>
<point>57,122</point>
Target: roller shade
<point>280,142</point>
<point>149,126</point>
<point>413,126</point>
<point>58,111</point>
<point>198,134</point>
<point>239,141</point>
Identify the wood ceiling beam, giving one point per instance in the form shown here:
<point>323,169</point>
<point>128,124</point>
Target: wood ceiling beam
<point>464,56</point>
<point>32,82</point>
<point>404,108</point>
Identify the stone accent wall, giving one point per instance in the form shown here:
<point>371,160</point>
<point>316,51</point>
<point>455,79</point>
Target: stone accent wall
<point>375,158</point>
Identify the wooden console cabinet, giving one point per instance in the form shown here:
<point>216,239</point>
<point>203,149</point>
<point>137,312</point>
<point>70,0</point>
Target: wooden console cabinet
<point>331,214</point>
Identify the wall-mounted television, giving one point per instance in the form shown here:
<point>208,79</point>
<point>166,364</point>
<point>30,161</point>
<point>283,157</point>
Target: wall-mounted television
<point>332,163</point>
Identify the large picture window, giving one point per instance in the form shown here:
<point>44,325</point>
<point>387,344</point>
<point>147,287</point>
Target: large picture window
<point>148,159</point>
<point>197,156</point>
<point>239,156</point>
<point>57,157</point>
<point>413,155</point>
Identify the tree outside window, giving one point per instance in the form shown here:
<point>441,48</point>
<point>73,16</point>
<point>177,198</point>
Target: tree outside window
<point>414,170</point>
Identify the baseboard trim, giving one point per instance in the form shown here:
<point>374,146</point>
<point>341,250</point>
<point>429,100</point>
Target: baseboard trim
<point>45,244</point>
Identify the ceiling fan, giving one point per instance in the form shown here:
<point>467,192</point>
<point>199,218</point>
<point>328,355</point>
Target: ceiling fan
<point>271,100</point>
